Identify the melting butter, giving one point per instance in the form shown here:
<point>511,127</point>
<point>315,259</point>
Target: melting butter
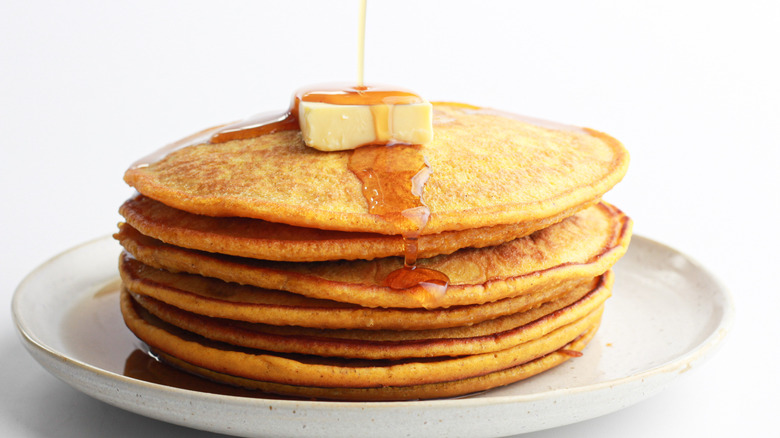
<point>338,127</point>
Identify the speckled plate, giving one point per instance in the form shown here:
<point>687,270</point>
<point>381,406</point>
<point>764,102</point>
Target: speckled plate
<point>667,315</point>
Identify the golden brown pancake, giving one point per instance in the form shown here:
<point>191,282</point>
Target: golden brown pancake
<point>304,370</point>
<point>393,393</point>
<point>488,336</point>
<point>216,298</point>
<point>489,169</point>
<point>581,247</point>
<point>255,238</point>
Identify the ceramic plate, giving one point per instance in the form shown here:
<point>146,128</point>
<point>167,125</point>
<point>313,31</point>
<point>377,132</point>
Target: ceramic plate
<point>666,315</point>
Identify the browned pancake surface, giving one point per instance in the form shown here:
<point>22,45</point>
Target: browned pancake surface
<point>219,299</point>
<point>491,335</point>
<point>256,238</point>
<point>304,370</point>
<point>489,169</point>
<point>454,388</point>
<point>581,247</point>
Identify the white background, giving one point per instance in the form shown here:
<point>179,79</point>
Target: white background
<point>691,88</point>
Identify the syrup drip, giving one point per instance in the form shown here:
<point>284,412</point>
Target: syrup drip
<point>261,124</point>
<point>570,353</point>
<point>393,180</point>
<point>334,94</point>
<point>393,175</point>
<point>268,123</point>
<point>143,365</point>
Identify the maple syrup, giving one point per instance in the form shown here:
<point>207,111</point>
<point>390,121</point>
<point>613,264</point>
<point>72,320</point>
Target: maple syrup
<point>145,366</point>
<point>393,175</point>
<point>361,41</point>
<point>334,94</point>
<point>393,179</point>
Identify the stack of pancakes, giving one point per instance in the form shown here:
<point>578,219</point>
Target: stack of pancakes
<point>258,262</point>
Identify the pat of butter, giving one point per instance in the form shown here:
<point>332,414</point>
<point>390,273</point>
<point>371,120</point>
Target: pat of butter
<point>330,127</point>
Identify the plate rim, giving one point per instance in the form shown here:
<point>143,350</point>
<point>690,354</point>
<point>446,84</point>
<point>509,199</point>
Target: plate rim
<point>680,363</point>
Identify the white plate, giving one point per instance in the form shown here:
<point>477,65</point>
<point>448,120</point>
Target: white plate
<point>667,315</point>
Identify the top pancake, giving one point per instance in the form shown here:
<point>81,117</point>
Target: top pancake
<point>489,169</point>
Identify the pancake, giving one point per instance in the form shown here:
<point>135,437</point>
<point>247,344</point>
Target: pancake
<point>489,169</point>
<point>218,299</point>
<point>312,371</point>
<point>396,393</point>
<point>488,336</point>
<point>255,238</point>
<point>579,248</point>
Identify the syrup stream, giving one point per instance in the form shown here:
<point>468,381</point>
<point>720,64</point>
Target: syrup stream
<point>361,42</point>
